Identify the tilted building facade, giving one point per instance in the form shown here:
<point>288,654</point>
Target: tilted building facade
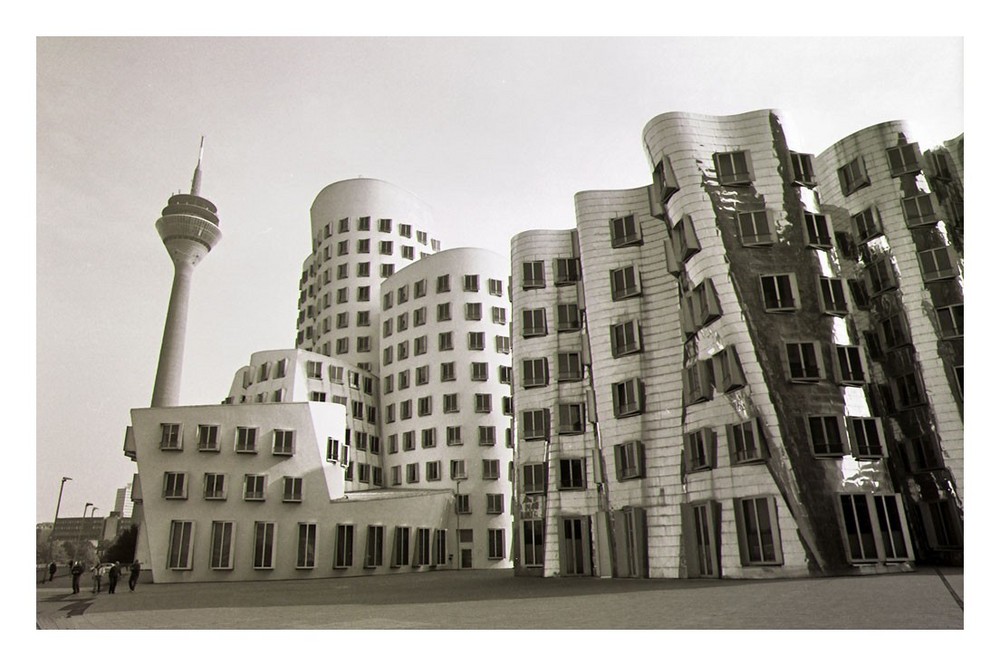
<point>745,415</point>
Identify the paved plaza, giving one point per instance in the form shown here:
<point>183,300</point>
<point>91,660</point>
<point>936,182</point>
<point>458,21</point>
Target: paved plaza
<point>925,599</point>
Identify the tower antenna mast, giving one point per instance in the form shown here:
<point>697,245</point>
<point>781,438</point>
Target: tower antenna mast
<point>196,179</point>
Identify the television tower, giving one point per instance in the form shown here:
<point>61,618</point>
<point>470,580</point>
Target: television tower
<point>189,228</point>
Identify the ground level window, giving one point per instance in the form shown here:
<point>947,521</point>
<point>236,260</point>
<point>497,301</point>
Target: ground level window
<point>263,545</point>
<point>373,547</point>
<point>222,545</point>
<point>757,524</point>
<point>874,528</point>
<point>305,557</point>
<point>179,544</point>
<point>496,544</point>
<point>533,535</point>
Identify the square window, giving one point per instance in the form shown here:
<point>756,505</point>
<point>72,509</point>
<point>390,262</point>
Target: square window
<point>443,284</point>
<point>484,403</point>
<point>802,169</point>
<point>533,275</point>
<point>757,531</point>
<point>628,397</point>
<point>499,315</point>
<point>208,438</point>
<point>170,437</point>
<point>487,435</point>
<point>625,283</point>
<point>903,159</point>
<point>253,487</point>
<point>533,323</point>
<point>470,283</point>
<point>826,435</point>
<point>733,168</point>
<point>853,176</point>
<point>567,271</point>
<point>473,311</point>
<point>755,228</point>
<point>867,224</point>
<point>495,287</point>
<point>445,342</point>
<point>246,439</point>
<point>453,435</point>
<point>215,486</point>
<point>919,210</point>
<point>625,231</point>
<point>174,485</point>
<point>291,490</point>
<point>625,338</point>
<point>283,442</point>
<point>570,367</point>
<point>491,469</point>
<point>746,442</point>
<point>458,470</point>
<point>572,474</point>
<point>567,317</point>
<point>480,372</point>
<point>535,424</point>
<point>534,372</point>
<point>571,419</point>
<point>866,437</point>
<point>494,504</point>
<point>803,361</point>
<point>937,264</point>
<point>477,341</point>
<point>817,229</point>
<point>502,344</point>
<point>780,292</point>
<point>630,460</point>
<point>700,449</point>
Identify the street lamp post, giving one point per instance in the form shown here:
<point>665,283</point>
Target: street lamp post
<point>92,510</point>
<point>79,532</point>
<point>58,502</point>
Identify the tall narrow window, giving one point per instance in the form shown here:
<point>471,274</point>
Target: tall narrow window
<point>625,231</point>
<point>803,361</point>
<point>222,545</point>
<point>533,323</point>
<point>263,545</point>
<point>305,552</point>
<point>179,544</point>
<point>757,531</point>
<point>853,176</point>
<point>628,398</point>
<point>826,435</point>
<point>780,292</point>
<point>374,546</point>
<point>755,228</point>
<point>625,283</point>
<point>746,442</point>
<point>625,338</point>
<point>344,555</point>
<point>533,275</point>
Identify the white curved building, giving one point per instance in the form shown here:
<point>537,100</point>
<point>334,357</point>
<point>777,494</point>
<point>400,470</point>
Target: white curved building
<point>363,230</point>
<point>445,392</point>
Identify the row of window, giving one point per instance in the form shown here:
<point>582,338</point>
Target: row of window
<point>487,436</point>
<point>478,372</point>
<point>482,404</point>
<point>903,159</point>
<point>245,439</point>
<point>428,547</point>
<point>470,284</point>
<point>384,225</point>
<point>216,486</point>
<point>535,371</point>
<point>473,312</point>
<point>475,341</point>
<point>534,322</point>
<point>457,472</point>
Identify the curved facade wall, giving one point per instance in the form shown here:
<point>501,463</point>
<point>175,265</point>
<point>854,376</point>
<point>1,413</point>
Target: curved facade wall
<point>363,230</point>
<point>905,250</point>
<point>445,359</point>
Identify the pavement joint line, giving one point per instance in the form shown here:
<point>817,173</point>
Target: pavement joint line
<point>951,590</point>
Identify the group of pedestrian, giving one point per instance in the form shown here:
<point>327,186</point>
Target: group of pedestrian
<point>114,572</point>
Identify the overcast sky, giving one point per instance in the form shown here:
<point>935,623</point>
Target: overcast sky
<point>496,135</point>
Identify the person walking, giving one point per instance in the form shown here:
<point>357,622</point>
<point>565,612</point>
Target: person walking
<point>113,578</point>
<point>133,578</point>
<point>52,570</point>
<point>97,577</point>
<point>76,570</point>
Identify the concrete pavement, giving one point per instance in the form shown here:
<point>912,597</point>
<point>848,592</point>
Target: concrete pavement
<point>925,599</point>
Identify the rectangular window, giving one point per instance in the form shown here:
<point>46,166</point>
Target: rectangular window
<point>495,287</point>
<point>344,553</point>
<point>462,505</point>
<point>477,341</point>
<point>457,470</point>
<point>305,552</point>
<point>628,398</point>
<point>803,364</point>
<point>625,231</point>
<point>866,437</point>
<point>385,247</point>
<point>630,460</point>
<point>400,547</point>
<point>533,323</point>
<point>534,372</point>
<point>826,435</point>
<point>952,321</point>
<point>802,169</point>
<point>746,442</point>
<point>374,546</point>
<point>419,317</point>
<point>867,224</point>
<point>409,440</point>
<point>567,317</point>
<point>432,470</point>
<point>757,531</point>
<point>780,292</point>
<point>625,283</point>
<point>443,284</point>
<point>570,367</point>
<point>170,437</point>
<point>283,442</point>
<point>208,438</point>
<point>571,418</point>
<point>502,344</point>
<point>496,542</point>
<point>473,311</point>
<point>903,159</point>
<point>727,371</point>
<point>253,487</point>
<point>534,478</point>
<point>222,545</point>
<point>733,168</point>
<point>625,338</point>
<point>533,542</point>
<point>445,342</point>
<point>937,264</point>
<point>487,435</point>
<point>179,545</point>
<point>470,283</point>
<point>174,485</point>
<point>919,210</point>
<point>850,365</point>
<point>833,296</point>
<point>263,545</point>
<point>413,473</point>
<point>755,228</point>
<point>428,438</point>
<point>817,230</point>
<point>491,469</point>
<point>700,449</point>
<point>422,548</point>
<point>215,486</point>
<point>450,403</point>
<point>291,489</point>
<point>499,315</point>
<point>453,435</point>
<point>572,474</point>
<point>484,403</point>
<point>533,275</point>
<point>423,375</point>
<point>567,271</point>
<point>853,176</point>
<point>535,424</point>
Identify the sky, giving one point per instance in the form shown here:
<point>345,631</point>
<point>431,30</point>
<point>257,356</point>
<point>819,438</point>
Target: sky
<point>496,135</point>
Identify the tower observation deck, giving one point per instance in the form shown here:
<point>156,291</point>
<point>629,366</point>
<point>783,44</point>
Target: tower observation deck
<point>189,228</point>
